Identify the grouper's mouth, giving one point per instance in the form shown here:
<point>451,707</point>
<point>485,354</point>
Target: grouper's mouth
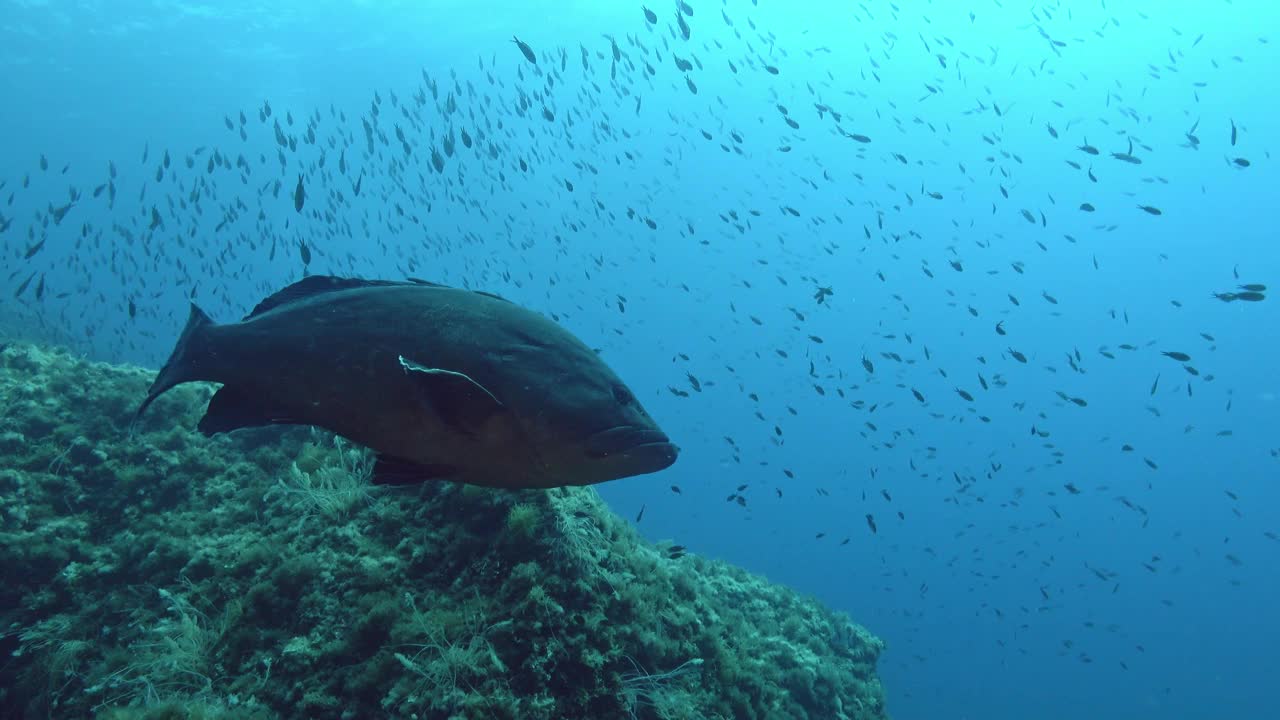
<point>648,448</point>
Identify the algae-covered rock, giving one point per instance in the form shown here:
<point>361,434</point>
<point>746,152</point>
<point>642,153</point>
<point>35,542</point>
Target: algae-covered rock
<point>154,573</point>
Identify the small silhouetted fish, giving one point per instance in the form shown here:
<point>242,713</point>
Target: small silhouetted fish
<point>684,28</point>
<point>1086,207</point>
<point>440,382</point>
<point>871,523</point>
<point>23,287</point>
<point>649,15</point>
<point>1179,356</point>
<point>299,195</point>
<point>1150,210</point>
<point>525,50</point>
<point>1251,287</point>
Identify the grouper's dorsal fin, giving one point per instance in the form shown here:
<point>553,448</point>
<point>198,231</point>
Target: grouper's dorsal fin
<point>428,283</point>
<point>478,292</point>
<point>491,295</point>
<point>314,285</point>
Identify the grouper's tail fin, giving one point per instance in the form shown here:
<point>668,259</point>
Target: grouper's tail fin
<point>183,361</point>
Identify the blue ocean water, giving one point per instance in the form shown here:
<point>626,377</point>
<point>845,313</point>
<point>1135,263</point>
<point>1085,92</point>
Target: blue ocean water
<point>925,162</point>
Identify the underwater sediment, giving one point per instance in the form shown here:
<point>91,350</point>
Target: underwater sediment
<point>160,573</point>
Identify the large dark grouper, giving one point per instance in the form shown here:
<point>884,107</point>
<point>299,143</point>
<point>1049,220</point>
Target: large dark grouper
<point>440,382</point>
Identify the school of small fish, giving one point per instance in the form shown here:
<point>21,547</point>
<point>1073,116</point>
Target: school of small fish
<point>585,132</point>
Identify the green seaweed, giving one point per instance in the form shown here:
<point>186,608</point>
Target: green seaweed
<point>155,573</point>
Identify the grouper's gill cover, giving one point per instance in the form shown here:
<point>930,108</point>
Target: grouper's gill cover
<point>440,382</point>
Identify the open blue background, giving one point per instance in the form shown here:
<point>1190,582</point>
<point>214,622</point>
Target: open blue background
<point>1000,593</point>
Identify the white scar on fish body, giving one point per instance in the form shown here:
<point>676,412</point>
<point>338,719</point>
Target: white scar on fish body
<point>411,366</point>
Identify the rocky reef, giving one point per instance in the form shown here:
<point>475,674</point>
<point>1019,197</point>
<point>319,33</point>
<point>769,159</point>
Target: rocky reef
<point>150,572</point>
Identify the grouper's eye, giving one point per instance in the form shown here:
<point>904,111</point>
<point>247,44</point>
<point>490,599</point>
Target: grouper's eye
<point>622,395</point>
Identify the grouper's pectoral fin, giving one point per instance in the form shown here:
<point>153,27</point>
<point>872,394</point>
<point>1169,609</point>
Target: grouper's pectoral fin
<point>460,402</point>
<point>388,470</point>
<point>232,408</point>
